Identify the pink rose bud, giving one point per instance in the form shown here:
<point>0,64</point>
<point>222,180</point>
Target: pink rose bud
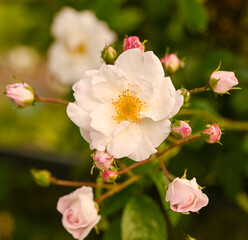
<point>80,212</point>
<point>222,81</point>
<point>102,160</point>
<point>181,129</point>
<point>185,196</point>
<point>171,63</point>
<point>109,54</point>
<point>212,133</point>
<point>109,175</point>
<point>21,94</point>
<point>132,42</point>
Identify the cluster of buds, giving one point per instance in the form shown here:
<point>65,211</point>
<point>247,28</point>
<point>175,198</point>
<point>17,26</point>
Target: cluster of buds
<point>103,161</point>
<point>21,94</point>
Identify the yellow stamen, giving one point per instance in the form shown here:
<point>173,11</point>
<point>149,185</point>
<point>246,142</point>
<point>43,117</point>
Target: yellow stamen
<point>128,107</point>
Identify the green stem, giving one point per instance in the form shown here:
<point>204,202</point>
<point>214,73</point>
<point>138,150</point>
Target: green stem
<point>60,182</point>
<point>200,89</point>
<point>178,144</point>
<point>51,100</point>
<point>118,188</point>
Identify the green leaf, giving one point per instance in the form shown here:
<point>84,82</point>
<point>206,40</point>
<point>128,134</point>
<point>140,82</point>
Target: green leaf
<point>114,231</point>
<point>142,219</point>
<point>194,14</point>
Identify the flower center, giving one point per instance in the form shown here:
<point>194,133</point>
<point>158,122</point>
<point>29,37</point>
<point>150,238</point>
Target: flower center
<point>128,107</point>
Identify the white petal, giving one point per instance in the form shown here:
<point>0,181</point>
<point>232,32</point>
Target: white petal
<point>102,119</point>
<point>88,229</point>
<point>157,131</point>
<point>109,83</point>
<point>125,141</point>
<point>84,96</point>
<point>135,64</point>
<point>78,115</point>
<point>99,141</point>
<point>143,151</point>
<point>85,133</point>
<point>178,103</point>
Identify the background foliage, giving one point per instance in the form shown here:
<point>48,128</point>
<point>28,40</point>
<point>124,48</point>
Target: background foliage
<point>204,32</point>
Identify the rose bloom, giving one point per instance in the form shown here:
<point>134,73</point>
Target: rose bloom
<point>125,108</point>
<point>79,212</point>
<point>21,94</point>
<point>185,196</point>
<point>222,81</point>
<point>79,39</point>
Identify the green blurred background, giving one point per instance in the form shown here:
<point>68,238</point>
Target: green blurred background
<point>204,32</point>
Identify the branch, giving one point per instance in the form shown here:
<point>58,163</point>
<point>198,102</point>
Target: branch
<point>166,173</point>
<point>118,188</point>
<point>51,100</point>
<point>60,182</point>
<point>178,144</point>
<point>200,89</point>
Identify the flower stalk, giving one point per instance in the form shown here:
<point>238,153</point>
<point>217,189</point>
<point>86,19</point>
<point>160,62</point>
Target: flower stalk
<point>200,89</point>
<point>51,100</point>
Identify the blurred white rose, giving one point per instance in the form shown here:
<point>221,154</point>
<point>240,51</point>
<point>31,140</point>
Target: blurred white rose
<point>79,39</point>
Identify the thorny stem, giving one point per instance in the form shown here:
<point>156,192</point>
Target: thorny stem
<point>178,144</point>
<point>118,188</point>
<point>200,89</point>
<point>52,100</point>
<point>166,173</point>
<point>60,182</point>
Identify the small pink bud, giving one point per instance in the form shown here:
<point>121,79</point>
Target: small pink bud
<point>222,81</point>
<point>109,54</point>
<point>109,175</point>
<point>132,42</point>
<point>102,160</point>
<point>171,63</point>
<point>181,129</point>
<point>212,134</point>
<point>21,94</point>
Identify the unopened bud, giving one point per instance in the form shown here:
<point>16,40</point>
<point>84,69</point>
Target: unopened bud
<point>181,129</point>
<point>212,133</point>
<point>222,81</point>
<point>109,175</point>
<point>21,94</point>
<point>186,94</point>
<point>41,177</point>
<point>102,160</point>
<point>133,42</point>
<point>109,55</point>
<point>171,63</point>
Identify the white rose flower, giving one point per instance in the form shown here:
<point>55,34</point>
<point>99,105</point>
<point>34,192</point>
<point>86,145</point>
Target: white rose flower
<point>125,108</point>
<point>79,39</point>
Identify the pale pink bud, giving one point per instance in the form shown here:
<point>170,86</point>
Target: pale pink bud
<point>132,42</point>
<point>222,81</point>
<point>181,129</point>
<point>212,133</point>
<point>79,212</point>
<point>109,175</point>
<point>102,160</point>
<point>21,94</point>
<point>185,196</point>
<point>171,63</point>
